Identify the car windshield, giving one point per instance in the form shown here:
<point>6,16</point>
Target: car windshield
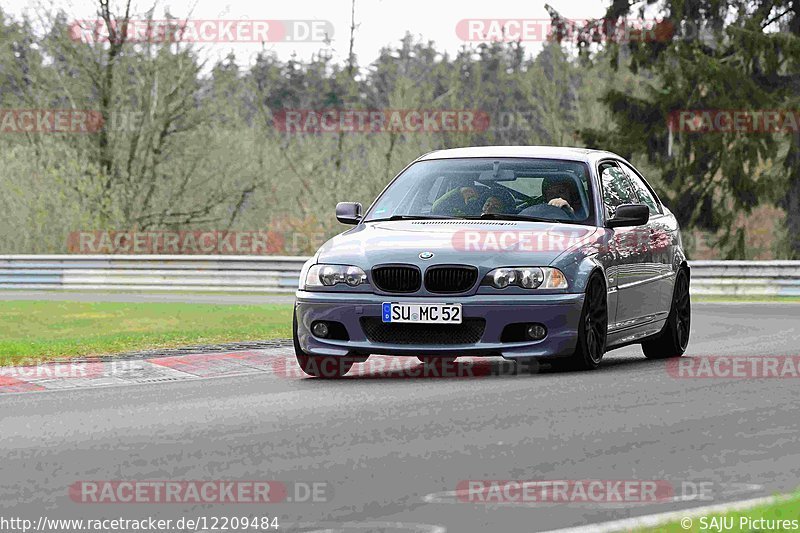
<point>505,188</point>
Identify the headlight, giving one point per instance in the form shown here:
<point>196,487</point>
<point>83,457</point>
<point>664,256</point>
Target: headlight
<point>330,275</point>
<point>526,277</point>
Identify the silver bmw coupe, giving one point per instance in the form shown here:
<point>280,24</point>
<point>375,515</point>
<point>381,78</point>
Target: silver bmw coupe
<point>513,251</point>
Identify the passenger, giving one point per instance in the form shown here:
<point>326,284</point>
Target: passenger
<point>493,204</point>
<point>498,202</point>
<point>470,196</point>
<point>460,201</point>
<point>466,201</point>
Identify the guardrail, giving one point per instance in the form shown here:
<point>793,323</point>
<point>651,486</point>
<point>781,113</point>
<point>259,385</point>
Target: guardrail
<point>184,273</point>
<point>207,273</point>
<point>743,278</point>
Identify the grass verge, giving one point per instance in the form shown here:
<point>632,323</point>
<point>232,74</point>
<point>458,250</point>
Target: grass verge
<point>47,330</point>
<point>746,299</point>
<point>766,517</point>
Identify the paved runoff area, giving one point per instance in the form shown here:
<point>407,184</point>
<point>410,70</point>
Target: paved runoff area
<point>227,432</point>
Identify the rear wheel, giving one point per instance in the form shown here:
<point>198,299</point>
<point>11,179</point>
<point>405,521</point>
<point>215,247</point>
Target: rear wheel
<point>674,338</point>
<point>319,366</point>
<point>592,329</point>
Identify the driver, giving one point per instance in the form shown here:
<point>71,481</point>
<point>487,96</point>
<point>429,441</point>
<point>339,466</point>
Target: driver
<point>560,192</point>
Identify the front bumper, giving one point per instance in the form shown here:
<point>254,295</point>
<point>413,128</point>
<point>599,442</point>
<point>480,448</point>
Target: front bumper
<point>560,313</point>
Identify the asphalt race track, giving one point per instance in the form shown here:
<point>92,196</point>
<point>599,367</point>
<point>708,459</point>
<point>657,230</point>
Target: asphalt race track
<point>393,449</point>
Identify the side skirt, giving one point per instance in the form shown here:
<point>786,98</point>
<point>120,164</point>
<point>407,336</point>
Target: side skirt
<point>625,336</point>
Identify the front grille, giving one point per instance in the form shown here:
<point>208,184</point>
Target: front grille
<point>469,331</point>
<point>450,279</point>
<point>397,278</point>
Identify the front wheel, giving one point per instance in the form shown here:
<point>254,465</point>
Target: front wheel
<point>674,338</point>
<point>319,366</point>
<point>592,329</point>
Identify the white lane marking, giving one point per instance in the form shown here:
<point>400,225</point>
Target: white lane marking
<point>743,488</point>
<point>652,520</point>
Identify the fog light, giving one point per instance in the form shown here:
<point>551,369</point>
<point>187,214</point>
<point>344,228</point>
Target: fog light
<point>319,329</point>
<point>536,332</point>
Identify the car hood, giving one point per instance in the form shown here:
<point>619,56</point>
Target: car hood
<point>488,244</point>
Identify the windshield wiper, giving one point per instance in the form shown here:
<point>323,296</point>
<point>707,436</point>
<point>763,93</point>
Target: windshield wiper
<point>410,217</point>
<point>505,216</point>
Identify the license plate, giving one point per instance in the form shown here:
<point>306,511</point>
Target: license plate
<point>422,313</point>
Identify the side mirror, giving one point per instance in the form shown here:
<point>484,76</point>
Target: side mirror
<point>348,212</point>
<point>629,215</point>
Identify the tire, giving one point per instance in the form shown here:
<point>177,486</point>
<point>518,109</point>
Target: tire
<point>674,337</point>
<point>592,329</point>
<point>319,366</point>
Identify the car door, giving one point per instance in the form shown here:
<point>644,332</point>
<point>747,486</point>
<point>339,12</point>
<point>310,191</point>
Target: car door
<point>627,253</point>
<point>661,238</point>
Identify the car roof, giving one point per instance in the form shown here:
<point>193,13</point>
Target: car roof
<point>548,152</point>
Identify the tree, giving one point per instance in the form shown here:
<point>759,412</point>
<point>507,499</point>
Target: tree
<point>710,55</point>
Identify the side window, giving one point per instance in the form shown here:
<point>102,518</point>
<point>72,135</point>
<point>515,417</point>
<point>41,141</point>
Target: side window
<point>644,194</point>
<point>616,188</point>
